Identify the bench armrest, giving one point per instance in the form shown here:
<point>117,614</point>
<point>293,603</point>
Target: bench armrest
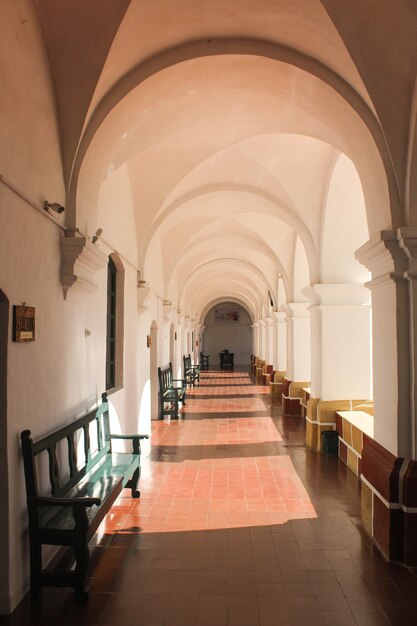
<point>52,501</point>
<point>134,438</point>
<point>179,380</point>
<point>79,508</point>
<point>129,436</point>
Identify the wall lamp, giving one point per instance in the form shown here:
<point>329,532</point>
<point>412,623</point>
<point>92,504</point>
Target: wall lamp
<point>97,235</point>
<point>53,207</point>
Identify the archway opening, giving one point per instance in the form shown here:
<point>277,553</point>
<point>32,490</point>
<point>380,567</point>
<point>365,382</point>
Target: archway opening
<point>228,327</point>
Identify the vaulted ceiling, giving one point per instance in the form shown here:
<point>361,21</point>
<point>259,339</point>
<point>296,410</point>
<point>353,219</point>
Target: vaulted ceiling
<point>214,128</point>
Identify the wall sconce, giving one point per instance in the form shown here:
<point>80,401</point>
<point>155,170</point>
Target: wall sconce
<point>97,235</point>
<point>148,341</point>
<point>53,207</point>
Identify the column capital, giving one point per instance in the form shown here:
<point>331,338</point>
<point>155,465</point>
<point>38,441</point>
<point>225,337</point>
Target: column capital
<point>337,294</point>
<point>383,253</point>
<point>296,309</point>
<point>144,296</point>
<point>80,260</point>
<point>168,311</point>
<point>278,317</point>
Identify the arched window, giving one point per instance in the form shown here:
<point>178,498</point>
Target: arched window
<point>111,325</point>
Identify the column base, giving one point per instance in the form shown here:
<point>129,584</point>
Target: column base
<point>321,417</point>
<point>292,398</point>
<point>259,372</point>
<point>266,374</point>
<point>276,385</point>
<point>389,502</point>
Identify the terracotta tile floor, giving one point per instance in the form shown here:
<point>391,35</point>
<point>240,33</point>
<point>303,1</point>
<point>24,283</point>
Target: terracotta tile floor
<point>227,390</point>
<point>238,525</point>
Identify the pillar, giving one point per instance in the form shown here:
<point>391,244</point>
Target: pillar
<point>340,355</point>
<point>196,347</point>
<point>389,465</point>
<point>255,339</point>
<point>279,361</point>
<point>268,341</point>
<point>298,357</point>
<point>262,339</point>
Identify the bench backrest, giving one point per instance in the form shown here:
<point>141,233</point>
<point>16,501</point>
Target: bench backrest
<point>187,362</point>
<point>67,464</point>
<point>165,377</point>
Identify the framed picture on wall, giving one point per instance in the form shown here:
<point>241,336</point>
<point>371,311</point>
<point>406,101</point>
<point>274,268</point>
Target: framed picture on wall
<point>223,314</point>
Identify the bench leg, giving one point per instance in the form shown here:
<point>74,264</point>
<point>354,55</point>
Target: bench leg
<point>35,571</point>
<point>82,557</point>
<point>133,483</point>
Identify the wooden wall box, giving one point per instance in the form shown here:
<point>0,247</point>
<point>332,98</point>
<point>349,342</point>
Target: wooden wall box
<point>23,323</point>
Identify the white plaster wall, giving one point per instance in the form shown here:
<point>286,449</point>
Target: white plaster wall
<point>298,342</point>
<point>38,391</point>
<point>301,271</point>
<point>345,341</point>
<point>59,375</point>
<point>29,139</point>
<point>62,374</point>
<point>233,336</point>
<point>345,228</point>
<point>385,368</point>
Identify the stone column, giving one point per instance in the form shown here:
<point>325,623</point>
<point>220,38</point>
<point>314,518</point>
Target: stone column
<point>255,339</point>
<point>262,339</point>
<point>340,354</point>
<point>298,357</point>
<point>179,342</point>
<point>268,341</point>
<point>196,347</point>
<point>389,466</point>
<point>279,353</point>
<point>268,367</point>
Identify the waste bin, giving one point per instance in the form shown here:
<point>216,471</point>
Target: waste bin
<point>330,442</point>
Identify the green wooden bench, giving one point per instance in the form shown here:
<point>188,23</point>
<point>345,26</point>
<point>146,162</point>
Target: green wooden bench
<point>84,478</point>
<point>172,392</point>
<point>191,372</point>
<point>204,361</point>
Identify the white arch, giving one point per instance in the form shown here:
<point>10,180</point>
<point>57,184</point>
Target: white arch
<point>242,47</point>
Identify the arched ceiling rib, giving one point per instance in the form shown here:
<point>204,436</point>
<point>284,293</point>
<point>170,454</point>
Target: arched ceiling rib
<point>294,23</point>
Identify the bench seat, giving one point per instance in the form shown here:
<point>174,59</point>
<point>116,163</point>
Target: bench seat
<point>104,482</point>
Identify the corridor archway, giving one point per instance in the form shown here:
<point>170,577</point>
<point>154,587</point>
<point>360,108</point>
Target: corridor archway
<point>228,327</point>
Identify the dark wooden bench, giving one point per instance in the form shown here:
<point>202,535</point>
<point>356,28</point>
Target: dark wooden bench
<point>172,391</point>
<point>226,360</point>
<point>84,479</point>
<point>204,361</point>
<point>191,372</point>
